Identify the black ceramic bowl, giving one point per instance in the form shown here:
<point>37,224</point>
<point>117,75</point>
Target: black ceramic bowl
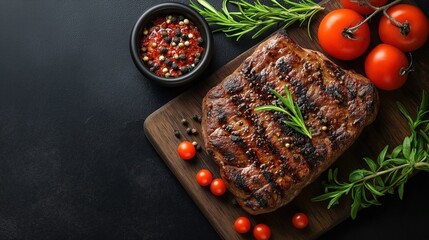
<point>165,9</point>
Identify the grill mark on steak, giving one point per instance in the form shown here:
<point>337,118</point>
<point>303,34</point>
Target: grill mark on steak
<point>264,162</point>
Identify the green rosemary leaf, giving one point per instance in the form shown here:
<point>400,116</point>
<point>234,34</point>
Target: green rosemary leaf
<point>371,164</point>
<point>257,16</point>
<point>401,190</point>
<point>270,107</point>
<point>382,155</point>
<point>406,114</point>
<point>396,151</point>
<point>356,202</point>
<point>296,120</point>
<point>406,147</point>
<point>356,175</point>
<point>391,170</point>
<point>372,189</point>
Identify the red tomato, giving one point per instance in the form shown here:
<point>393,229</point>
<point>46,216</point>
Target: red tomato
<point>406,39</point>
<point>186,150</point>
<point>262,232</point>
<point>334,40</point>
<point>242,225</point>
<point>384,65</point>
<point>300,220</point>
<point>218,187</point>
<point>204,177</point>
<point>361,7</point>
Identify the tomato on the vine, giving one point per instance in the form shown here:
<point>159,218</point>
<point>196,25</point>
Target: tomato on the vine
<point>361,6</point>
<point>186,150</point>
<point>300,220</point>
<point>262,232</point>
<point>218,187</point>
<point>386,66</point>
<point>337,40</point>
<point>204,177</point>
<point>242,225</point>
<point>412,32</point>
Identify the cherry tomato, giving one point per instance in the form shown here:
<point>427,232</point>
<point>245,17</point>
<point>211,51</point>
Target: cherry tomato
<point>300,220</point>
<point>242,225</point>
<point>262,232</point>
<point>361,7</point>
<point>186,150</point>
<point>204,177</point>
<point>405,38</point>
<point>334,39</point>
<point>384,65</point>
<point>218,187</point>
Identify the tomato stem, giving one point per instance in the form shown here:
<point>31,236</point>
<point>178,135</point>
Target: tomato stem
<point>405,71</point>
<point>404,28</point>
<point>349,32</point>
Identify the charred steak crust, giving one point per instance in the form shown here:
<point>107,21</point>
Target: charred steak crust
<point>265,163</point>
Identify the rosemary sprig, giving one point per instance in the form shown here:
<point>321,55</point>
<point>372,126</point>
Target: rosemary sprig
<point>257,17</point>
<point>387,173</point>
<point>296,120</point>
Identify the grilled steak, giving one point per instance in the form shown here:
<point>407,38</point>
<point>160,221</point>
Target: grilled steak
<point>264,162</point>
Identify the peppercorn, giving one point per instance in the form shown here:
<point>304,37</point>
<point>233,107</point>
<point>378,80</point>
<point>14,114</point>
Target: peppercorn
<point>189,131</point>
<point>173,19</point>
<point>178,32</point>
<point>168,62</point>
<point>184,122</point>
<point>183,69</point>
<point>182,57</point>
<point>198,148</point>
<point>176,39</point>
<point>164,50</point>
<point>167,39</point>
<point>175,66</point>
<point>200,40</point>
<point>194,131</point>
<point>195,117</point>
<point>177,133</point>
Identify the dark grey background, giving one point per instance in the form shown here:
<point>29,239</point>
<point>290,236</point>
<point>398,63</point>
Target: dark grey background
<point>74,161</point>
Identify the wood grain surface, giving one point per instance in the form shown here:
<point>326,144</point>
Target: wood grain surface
<point>388,129</point>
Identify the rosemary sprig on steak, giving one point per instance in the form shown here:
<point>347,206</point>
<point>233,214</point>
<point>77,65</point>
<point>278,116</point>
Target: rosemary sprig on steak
<point>256,17</point>
<point>387,173</point>
<point>296,120</point>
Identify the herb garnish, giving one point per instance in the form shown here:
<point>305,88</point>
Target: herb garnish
<point>251,17</point>
<point>389,171</point>
<point>296,121</point>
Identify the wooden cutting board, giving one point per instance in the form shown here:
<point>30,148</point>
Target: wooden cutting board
<point>388,129</point>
